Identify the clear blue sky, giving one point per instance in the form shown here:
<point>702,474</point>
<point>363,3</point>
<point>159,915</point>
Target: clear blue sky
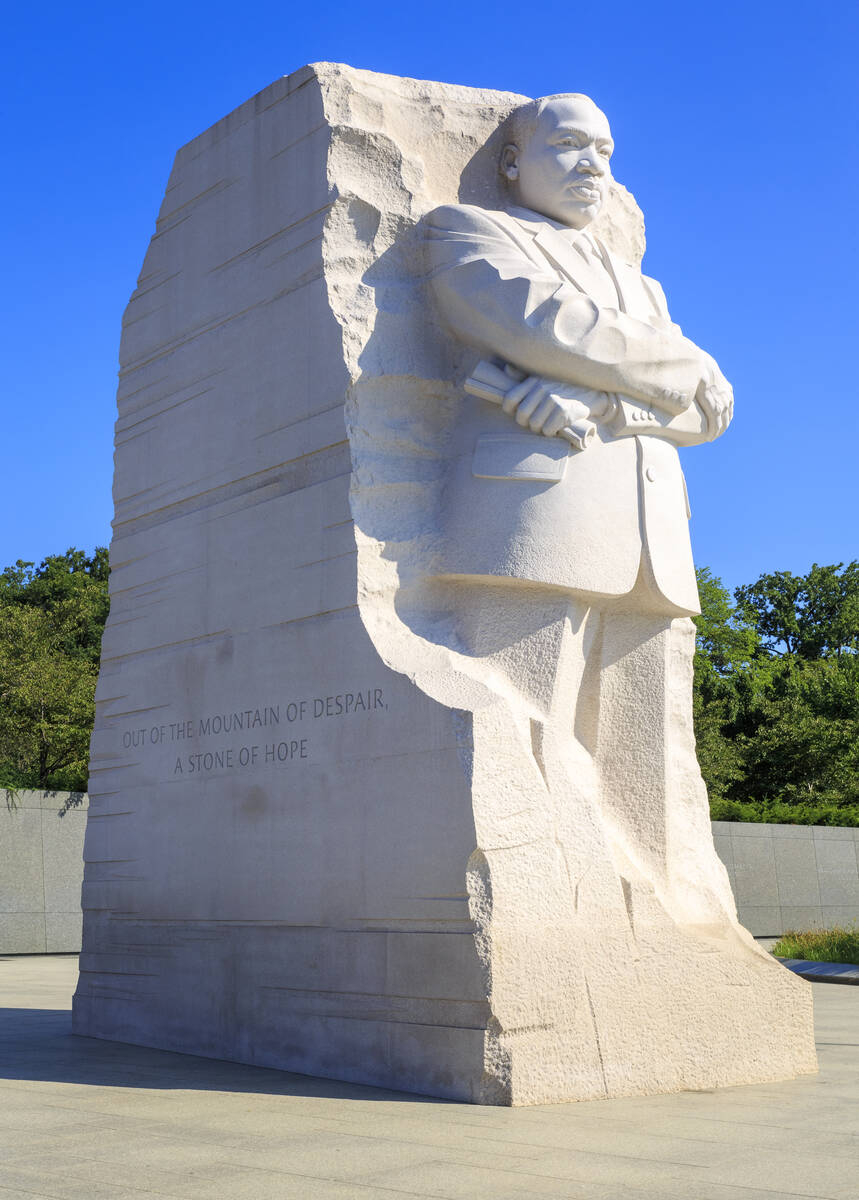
<point>735,126</point>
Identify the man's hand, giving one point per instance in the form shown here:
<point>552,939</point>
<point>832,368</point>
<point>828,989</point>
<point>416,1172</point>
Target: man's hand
<point>547,407</point>
<point>716,398</point>
<point>544,406</point>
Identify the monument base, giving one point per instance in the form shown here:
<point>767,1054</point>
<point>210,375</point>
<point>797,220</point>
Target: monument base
<point>680,1013</point>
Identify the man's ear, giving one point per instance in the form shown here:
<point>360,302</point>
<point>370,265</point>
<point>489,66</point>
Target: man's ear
<point>509,163</point>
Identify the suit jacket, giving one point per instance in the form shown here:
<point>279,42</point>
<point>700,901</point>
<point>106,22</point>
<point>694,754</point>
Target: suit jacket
<point>520,288</point>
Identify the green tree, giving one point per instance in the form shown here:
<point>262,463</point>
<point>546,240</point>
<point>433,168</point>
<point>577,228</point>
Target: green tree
<point>805,616</point>
<point>725,652</point>
<point>51,621</point>
<point>777,696</point>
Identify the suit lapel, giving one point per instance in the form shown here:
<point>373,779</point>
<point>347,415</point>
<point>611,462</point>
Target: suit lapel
<point>606,285</point>
<point>552,245</point>
<point>630,288</point>
<point>585,273</point>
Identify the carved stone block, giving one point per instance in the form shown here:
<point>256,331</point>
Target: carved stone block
<point>363,804</point>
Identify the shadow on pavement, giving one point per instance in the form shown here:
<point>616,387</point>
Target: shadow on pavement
<point>37,1044</point>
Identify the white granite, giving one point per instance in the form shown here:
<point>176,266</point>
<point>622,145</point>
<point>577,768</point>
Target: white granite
<point>373,793</point>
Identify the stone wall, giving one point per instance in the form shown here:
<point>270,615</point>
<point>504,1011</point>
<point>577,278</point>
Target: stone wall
<point>41,854</point>
<point>783,876</point>
<point>790,876</point>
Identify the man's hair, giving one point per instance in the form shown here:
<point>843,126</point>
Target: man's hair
<point>522,122</point>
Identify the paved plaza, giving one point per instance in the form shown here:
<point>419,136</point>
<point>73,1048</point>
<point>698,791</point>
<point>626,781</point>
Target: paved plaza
<point>88,1120</point>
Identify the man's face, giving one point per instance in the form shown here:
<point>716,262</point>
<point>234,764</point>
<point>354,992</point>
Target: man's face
<point>563,169</point>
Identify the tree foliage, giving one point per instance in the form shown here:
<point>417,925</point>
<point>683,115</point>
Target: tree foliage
<point>776,695</point>
<point>51,621</point>
<point>776,698</point>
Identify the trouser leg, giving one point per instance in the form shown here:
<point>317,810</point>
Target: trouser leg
<point>539,648</point>
<point>536,639</point>
<point>651,792</point>
<point>600,701</point>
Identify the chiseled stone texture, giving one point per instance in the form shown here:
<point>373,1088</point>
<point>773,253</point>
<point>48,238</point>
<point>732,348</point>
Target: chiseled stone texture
<point>315,841</point>
<point>40,882</point>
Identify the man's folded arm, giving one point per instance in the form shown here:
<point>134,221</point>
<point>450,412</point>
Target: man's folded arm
<point>495,298</point>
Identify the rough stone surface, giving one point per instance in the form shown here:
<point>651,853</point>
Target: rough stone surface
<point>326,833</point>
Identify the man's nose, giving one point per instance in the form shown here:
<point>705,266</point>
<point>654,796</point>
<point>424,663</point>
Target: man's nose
<point>591,163</point>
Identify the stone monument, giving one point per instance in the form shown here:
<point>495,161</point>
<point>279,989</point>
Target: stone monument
<point>393,775</point>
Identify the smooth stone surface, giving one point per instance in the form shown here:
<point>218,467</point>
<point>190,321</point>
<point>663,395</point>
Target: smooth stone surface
<point>59,929</point>
<point>791,876</point>
<point>90,1120</point>
<point>40,880</point>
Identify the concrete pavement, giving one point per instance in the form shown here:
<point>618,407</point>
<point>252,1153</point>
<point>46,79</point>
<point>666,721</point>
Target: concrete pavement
<point>825,972</point>
<point>88,1120</point>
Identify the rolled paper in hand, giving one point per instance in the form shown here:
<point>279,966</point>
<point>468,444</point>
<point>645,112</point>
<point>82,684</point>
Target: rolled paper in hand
<point>489,382</point>
<point>579,434</point>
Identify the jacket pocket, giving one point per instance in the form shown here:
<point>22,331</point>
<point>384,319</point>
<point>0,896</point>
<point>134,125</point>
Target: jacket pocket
<point>526,456</point>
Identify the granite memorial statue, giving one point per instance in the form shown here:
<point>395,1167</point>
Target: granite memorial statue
<point>393,776</point>
<point>583,352</point>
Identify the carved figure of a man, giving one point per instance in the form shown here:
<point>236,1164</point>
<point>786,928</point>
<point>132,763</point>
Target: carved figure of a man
<point>566,479</point>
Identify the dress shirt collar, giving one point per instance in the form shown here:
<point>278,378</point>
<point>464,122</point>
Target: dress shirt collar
<point>579,238</point>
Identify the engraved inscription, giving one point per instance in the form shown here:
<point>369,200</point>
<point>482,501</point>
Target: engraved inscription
<point>267,722</point>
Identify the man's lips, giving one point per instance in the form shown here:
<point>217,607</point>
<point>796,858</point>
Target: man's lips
<point>588,191</point>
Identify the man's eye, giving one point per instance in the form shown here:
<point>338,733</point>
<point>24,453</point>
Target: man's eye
<point>569,141</point>
<point>605,152</point>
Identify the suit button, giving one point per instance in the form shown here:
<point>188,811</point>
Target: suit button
<point>650,473</point>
